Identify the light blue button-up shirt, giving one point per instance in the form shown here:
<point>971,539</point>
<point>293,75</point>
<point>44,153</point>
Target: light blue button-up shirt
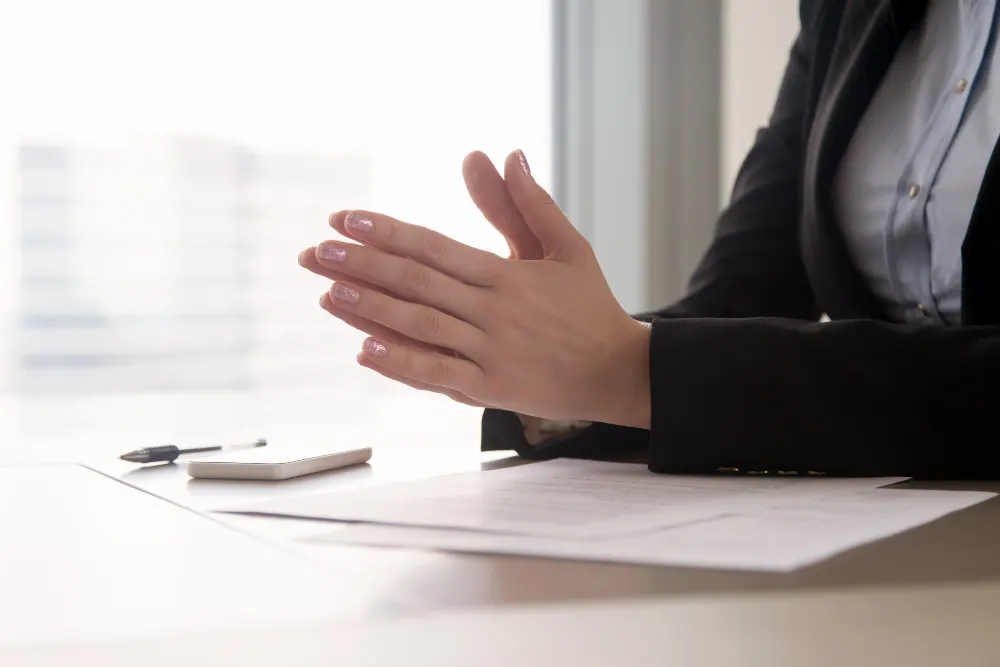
<point>908,182</point>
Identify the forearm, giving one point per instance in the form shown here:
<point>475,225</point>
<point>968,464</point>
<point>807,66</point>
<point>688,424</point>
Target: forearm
<point>845,398</point>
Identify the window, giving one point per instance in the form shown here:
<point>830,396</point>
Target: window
<point>169,160</point>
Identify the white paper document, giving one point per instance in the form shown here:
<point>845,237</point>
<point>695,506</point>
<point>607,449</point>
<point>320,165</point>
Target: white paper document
<point>564,498</point>
<point>775,539</point>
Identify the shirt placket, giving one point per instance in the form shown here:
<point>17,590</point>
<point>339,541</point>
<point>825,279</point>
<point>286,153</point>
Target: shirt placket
<point>908,246</point>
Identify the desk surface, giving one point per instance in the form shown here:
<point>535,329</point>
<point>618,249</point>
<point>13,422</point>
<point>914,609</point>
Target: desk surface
<point>962,547</point>
<point>922,627</point>
<point>408,607</point>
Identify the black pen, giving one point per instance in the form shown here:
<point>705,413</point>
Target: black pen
<point>171,452</point>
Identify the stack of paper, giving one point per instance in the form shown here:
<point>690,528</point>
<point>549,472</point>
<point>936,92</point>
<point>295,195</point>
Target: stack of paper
<point>622,512</point>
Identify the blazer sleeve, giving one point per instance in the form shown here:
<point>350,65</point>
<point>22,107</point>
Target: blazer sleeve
<point>853,397</point>
<point>753,267</point>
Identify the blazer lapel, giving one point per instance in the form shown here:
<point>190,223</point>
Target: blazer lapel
<point>866,41</point>
<point>980,268</point>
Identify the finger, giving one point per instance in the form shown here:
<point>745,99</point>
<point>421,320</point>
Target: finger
<point>382,333</point>
<point>489,193</point>
<point>308,260</point>
<point>431,368</point>
<point>375,329</point>
<point>354,321</point>
<point>543,217</point>
<point>465,263</point>
<point>420,386</point>
<point>416,321</point>
<point>336,221</point>
<point>403,277</point>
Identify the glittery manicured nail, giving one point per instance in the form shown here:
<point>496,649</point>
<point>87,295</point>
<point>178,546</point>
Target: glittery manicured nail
<point>375,348</point>
<point>345,293</point>
<point>359,223</point>
<point>523,161</point>
<point>331,252</point>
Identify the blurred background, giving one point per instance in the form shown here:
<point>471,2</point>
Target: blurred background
<point>161,165</point>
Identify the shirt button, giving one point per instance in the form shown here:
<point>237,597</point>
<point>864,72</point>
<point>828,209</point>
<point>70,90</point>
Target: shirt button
<point>923,309</point>
<point>961,86</point>
<point>914,190</point>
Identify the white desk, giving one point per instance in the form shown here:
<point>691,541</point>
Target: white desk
<point>961,548</point>
<point>386,585</point>
<point>84,557</point>
<point>924,627</point>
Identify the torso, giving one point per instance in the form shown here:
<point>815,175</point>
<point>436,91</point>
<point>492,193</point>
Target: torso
<point>907,184</point>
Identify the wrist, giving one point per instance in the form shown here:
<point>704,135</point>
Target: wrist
<point>628,395</point>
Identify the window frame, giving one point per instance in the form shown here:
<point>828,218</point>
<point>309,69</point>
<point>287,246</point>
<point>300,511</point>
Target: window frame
<point>637,128</point>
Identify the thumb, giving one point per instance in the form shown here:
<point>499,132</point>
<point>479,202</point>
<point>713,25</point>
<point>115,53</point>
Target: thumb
<point>556,233</point>
<point>489,193</point>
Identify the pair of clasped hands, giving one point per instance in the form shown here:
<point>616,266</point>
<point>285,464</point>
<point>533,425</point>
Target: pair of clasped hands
<point>538,333</point>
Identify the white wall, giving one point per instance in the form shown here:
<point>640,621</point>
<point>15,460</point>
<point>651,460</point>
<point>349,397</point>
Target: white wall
<point>9,267</point>
<point>756,38</point>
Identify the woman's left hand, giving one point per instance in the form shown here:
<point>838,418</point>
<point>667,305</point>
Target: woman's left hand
<point>540,337</point>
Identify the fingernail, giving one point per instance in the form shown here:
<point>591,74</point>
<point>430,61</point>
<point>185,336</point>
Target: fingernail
<point>375,348</point>
<point>345,293</point>
<point>331,252</point>
<point>523,161</point>
<point>359,223</point>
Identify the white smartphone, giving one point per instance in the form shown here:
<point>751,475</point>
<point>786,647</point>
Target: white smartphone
<point>274,462</point>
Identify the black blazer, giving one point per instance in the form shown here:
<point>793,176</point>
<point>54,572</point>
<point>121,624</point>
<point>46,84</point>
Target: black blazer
<point>742,375</point>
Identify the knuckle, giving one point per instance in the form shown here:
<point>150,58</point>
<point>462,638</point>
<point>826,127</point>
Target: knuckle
<point>404,361</point>
<point>438,371</point>
<point>416,279</point>
<point>427,323</point>
<point>372,306</point>
<point>389,231</point>
<point>363,262</point>
<point>435,246</point>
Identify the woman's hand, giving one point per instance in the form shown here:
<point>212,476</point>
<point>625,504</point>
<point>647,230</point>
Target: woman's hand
<point>542,337</point>
<point>489,192</point>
